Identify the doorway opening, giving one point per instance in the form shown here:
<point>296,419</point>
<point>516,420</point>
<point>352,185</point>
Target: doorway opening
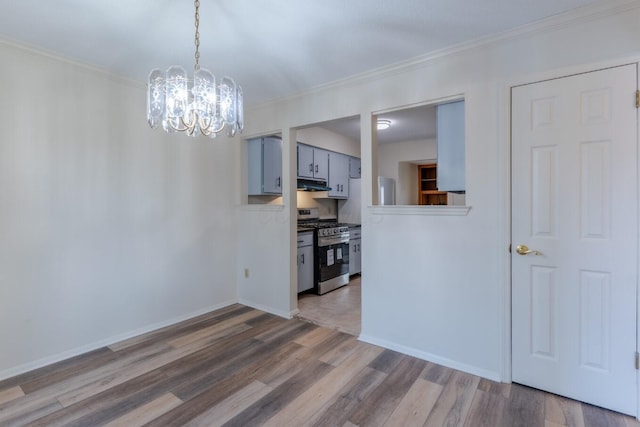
<point>329,217</point>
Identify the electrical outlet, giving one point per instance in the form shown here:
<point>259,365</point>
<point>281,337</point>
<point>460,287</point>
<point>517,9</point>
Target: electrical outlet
<point>246,272</point>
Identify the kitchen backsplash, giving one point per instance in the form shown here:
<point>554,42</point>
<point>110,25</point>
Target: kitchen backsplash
<point>327,208</point>
<point>265,200</point>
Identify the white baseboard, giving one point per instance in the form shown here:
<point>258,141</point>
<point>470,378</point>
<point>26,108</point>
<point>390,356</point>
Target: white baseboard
<point>20,369</point>
<point>474,370</point>
<point>285,314</point>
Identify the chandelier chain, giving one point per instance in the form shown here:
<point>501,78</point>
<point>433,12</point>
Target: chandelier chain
<point>197,41</point>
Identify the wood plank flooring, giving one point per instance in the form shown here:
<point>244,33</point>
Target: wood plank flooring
<point>242,367</point>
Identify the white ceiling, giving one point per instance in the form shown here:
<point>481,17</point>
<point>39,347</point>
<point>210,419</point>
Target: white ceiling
<point>273,48</point>
<point>411,124</point>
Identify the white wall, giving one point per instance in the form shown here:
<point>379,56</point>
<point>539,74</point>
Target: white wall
<point>394,162</point>
<point>266,238</point>
<point>108,228</point>
<point>323,138</point>
<point>435,286</point>
<point>264,251</point>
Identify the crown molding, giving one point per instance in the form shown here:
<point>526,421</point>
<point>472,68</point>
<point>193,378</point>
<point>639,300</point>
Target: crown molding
<point>562,20</point>
<point>55,56</point>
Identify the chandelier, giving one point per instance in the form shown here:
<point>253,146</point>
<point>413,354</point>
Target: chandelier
<point>196,106</point>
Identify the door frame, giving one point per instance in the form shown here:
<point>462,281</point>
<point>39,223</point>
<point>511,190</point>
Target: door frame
<point>504,196</point>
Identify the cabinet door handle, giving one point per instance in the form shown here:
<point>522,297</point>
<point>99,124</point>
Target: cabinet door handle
<point>311,167</point>
<point>316,168</point>
<point>278,181</point>
<point>302,258</point>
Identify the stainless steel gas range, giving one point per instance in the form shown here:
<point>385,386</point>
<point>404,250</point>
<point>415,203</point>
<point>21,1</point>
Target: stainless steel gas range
<point>331,251</point>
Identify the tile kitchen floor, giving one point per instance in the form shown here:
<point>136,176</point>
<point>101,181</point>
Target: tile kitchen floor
<point>339,309</point>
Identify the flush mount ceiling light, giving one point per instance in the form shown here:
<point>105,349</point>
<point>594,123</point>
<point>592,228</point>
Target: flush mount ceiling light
<point>383,124</point>
<point>195,106</point>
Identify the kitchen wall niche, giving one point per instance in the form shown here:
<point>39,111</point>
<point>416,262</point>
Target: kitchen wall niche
<point>421,155</point>
<point>264,170</point>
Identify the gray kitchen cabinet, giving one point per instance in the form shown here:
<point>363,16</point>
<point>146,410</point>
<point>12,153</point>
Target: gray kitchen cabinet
<point>338,175</point>
<point>450,141</point>
<point>355,256</point>
<point>305,161</point>
<point>264,166</point>
<point>313,162</point>
<point>305,261</point>
<point>354,167</point>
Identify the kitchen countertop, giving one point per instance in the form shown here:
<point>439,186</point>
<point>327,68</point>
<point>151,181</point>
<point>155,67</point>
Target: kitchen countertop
<point>302,229</point>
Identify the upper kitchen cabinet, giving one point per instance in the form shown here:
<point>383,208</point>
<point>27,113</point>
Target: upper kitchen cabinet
<point>338,175</point>
<point>313,163</point>
<point>450,140</point>
<point>354,167</point>
<point>264,166</point>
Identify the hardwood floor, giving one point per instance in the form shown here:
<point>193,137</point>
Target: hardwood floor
<point>242,367</point>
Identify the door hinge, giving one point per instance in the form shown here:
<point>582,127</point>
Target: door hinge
<point>637,360</point>
<point>637,98</point>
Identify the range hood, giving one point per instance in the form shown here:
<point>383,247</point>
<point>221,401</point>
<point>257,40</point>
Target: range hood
<point>311,185</point>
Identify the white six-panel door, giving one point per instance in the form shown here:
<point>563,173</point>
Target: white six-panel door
<point>575,207</point>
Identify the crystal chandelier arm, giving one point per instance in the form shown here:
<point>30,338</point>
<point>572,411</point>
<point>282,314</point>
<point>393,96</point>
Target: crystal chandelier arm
<point>211,126</point>
<point>174,124</point>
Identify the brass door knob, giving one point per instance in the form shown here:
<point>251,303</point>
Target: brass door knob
<point>524,250</point>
